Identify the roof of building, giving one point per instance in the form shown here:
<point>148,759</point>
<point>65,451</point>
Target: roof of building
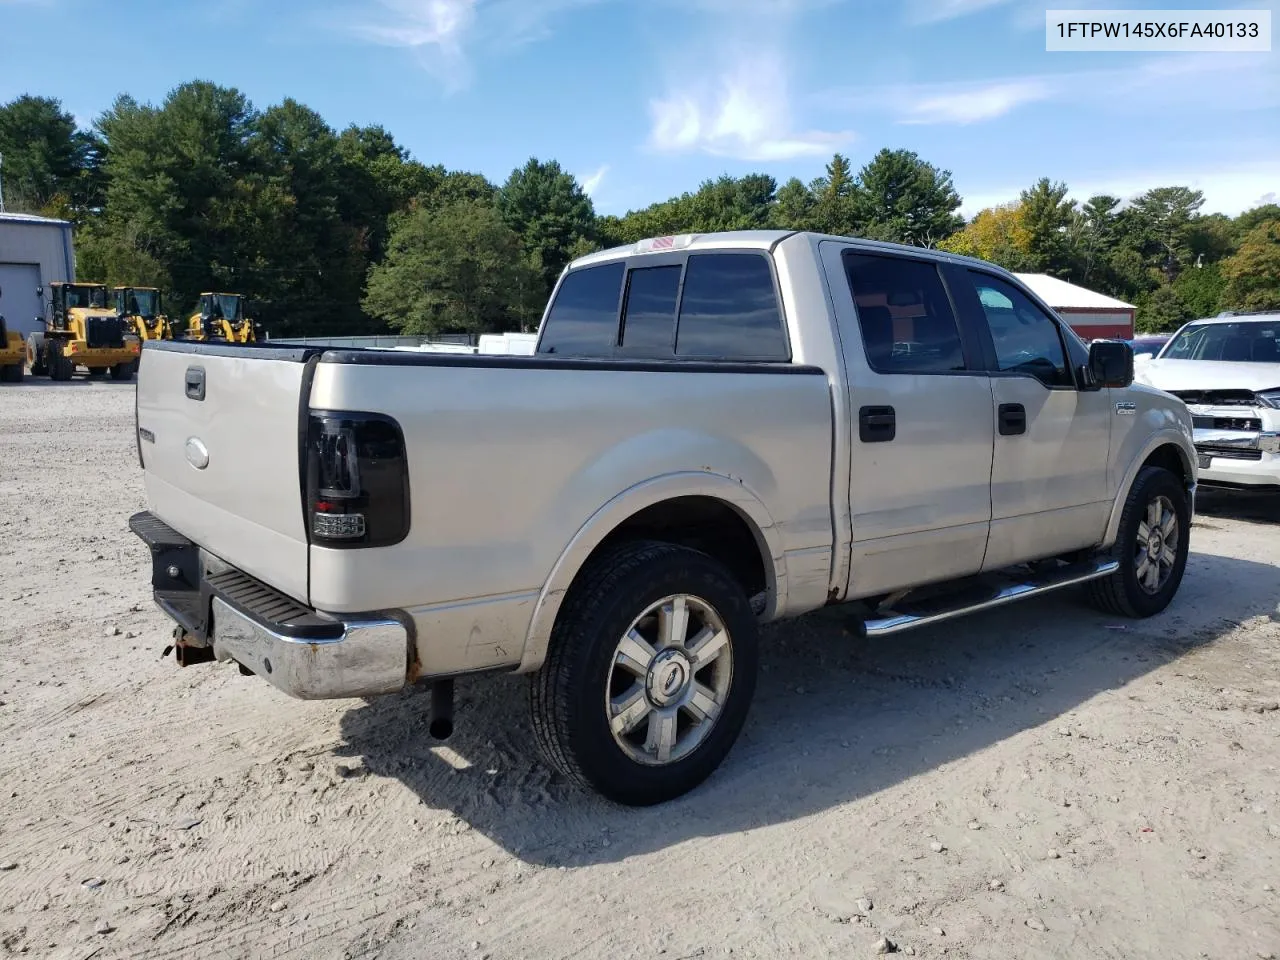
<point>1067,296</point>
<point>32,218</point>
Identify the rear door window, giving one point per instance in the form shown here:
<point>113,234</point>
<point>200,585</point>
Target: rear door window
<point>649,317</point>
<point>583,320</point>
<point>729,309</point>
<point>904,314</point>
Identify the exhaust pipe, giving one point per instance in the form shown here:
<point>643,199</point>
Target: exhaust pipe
<point>441,725</point>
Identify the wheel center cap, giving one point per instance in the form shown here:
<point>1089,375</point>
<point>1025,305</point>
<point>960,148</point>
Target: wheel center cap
<point>1154,545</point>
<point>668,678</point>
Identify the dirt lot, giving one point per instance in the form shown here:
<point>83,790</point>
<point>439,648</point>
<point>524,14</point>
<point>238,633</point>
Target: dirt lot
<point>1039,782</point>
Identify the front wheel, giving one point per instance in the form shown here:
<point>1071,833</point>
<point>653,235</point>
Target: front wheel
<point>122,371</point>
<point>649,675</point>
<point>61,368</point>
<point>1152,547</point>
<point>37,358</point>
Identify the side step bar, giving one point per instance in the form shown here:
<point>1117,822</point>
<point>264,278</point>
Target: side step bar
<point>1069,576</point>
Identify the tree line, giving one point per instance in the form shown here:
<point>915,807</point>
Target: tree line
<point>345,232</point>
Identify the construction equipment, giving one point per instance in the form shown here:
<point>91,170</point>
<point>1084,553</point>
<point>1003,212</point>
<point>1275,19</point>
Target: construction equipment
<point>142,312</point>
<point>80,330</point>
<point>12,354</point>
<point>221,317</point>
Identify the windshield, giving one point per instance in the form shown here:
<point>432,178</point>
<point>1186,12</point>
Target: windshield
<point>82,297</point>
<point>225,306</point>
<point>1245,341</point>
<point>141,303</point>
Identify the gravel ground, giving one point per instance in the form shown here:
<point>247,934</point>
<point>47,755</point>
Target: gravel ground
<point>1035,782</point>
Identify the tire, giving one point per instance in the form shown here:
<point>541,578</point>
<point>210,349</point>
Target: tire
<point>1124,593</point>
<point>586,671</point>
<point>12,372</point>
<point>37,357</point>
<point>61,368</point>
<point>122,371</point>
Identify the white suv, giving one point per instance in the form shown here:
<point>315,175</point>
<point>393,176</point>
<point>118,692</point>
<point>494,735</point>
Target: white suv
<point>1227,371</point>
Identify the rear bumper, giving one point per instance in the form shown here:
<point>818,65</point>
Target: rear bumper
<point>305,653</point>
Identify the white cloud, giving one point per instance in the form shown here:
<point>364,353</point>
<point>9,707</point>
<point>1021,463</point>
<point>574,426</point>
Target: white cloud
<point>963,104</point>
<point>1181,83</point>
<point>591,183</point>
<point>441,32</point>
<point>937,11</point>
<point>743,112</point>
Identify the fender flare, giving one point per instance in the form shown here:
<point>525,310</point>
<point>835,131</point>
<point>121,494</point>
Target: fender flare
<point>1167,437</point>
<point>627,504</point>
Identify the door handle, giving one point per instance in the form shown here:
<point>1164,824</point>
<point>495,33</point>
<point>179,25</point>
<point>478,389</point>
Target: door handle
<point>877,424</point>
<point>1012,418</point>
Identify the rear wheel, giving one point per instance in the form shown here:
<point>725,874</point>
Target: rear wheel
<point>11,373</point>
<point>1152,547</point>
<point>649,675</point>
<point>36,356</point>
<point>122,371</point>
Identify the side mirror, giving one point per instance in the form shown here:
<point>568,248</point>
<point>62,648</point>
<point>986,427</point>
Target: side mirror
<point>1110,363</point>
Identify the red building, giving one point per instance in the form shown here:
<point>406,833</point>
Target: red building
<point>1092,315</point>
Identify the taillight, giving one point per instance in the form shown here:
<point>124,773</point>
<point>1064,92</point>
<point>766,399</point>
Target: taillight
<point>357,480</point>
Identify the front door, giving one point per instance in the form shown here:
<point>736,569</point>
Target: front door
<point>921,422</point>
<point>1049,492</point>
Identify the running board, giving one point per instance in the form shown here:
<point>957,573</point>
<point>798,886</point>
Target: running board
<point>1065,577</point>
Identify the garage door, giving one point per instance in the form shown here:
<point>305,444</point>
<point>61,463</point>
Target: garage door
<point>19,304</point>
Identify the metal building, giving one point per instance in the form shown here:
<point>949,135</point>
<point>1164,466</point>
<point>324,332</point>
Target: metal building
<point>34,251</point>
<point>1093,315</point>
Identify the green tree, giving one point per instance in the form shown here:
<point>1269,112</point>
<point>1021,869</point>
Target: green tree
<point>456,268</point>
<point>1200,290</point>
<point>834,208</point>
<point>1161,311</point>
<point>1166,216</point>
<point>1046,216</point>
<point>1245,222</point>
<point>1096,241</point>
<point>901,198</point>
<point>1253,272</point>
<point>549,211</point>
<point>794,207</point>
<point>45,157</point>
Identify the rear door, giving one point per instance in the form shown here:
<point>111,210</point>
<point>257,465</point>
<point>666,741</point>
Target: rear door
<point>921,418</point>
<point>219,438</point>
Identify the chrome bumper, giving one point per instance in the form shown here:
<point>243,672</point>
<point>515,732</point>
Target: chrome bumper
<point>1267,441</point>
<point>369,657</point>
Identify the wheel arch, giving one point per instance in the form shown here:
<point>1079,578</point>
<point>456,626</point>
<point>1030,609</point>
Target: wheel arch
<point>1167,450</point>
<point>725,512</point>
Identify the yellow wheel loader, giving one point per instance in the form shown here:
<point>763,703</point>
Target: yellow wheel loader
<point>13,354</point>
<point>141,310</point>
<point>80,330</point>
<point>221,316</point>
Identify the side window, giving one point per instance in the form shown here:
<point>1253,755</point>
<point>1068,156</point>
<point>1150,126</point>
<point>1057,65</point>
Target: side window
<point>649,316</point>
<point>583,320</point>
<point>1026,338</point>
<point>729,309</point>
<point>906,319</point>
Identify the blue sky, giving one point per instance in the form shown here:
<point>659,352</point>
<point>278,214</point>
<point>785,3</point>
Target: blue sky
<point>642,99</point>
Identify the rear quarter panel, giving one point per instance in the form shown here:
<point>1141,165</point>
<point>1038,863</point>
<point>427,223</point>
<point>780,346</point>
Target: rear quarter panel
<point>509,461</point>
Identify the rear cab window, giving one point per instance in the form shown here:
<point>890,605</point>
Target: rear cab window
<point>706,306</point>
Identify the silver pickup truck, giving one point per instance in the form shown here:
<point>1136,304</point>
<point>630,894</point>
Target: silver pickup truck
<point>715,431</point>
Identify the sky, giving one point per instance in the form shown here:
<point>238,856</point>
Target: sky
<point>644,99</point>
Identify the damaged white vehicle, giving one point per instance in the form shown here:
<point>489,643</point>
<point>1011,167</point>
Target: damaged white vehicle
<point>1227,371</point>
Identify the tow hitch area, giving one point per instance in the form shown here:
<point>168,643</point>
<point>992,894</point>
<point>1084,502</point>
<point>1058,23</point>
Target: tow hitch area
<point>186,649</point>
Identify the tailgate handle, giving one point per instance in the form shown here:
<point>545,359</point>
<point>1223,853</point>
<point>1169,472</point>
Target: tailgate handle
<point>195,383</point>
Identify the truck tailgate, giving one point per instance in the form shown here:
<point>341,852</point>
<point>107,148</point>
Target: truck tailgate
<point>221,467</point>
